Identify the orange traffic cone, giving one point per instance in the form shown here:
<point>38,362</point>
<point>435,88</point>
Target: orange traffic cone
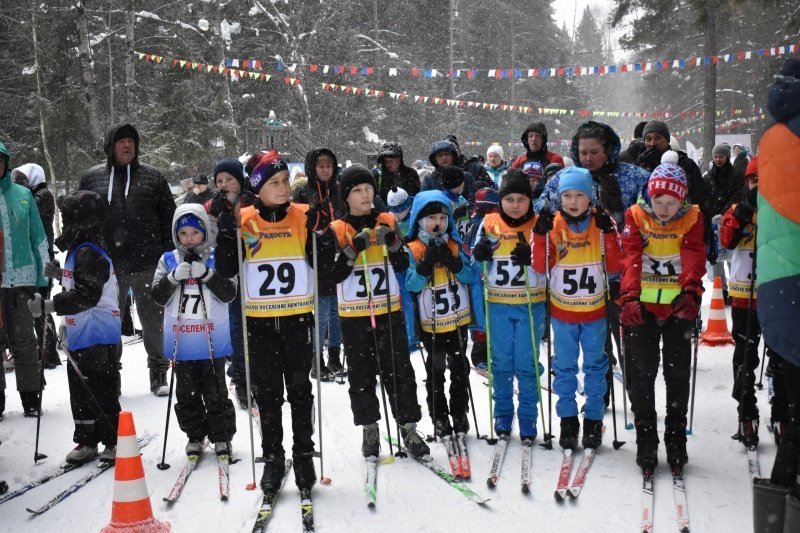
<point>131,511</point>
<point>716,333</point>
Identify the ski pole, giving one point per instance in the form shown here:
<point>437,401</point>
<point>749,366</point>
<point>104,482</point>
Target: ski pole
<point>163,465</point>
<point>36,455</point>
<point>89,393</point>
<point>548,445</point>
<point>547,327</point>
<point>760,383</point>
<point>318,356</point>
<point>246,346</point>
<point>617,443</point>
<point>696,339</point>
<point>491,439</point>
<point>368,286</point>
<point>628,425</point>
<point>432,357</point>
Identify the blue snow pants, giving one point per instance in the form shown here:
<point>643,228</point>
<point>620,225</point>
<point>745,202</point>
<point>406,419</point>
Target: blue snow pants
<point>569,340</point>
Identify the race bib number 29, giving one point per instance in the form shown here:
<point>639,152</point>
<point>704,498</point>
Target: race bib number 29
<point>277,279</point>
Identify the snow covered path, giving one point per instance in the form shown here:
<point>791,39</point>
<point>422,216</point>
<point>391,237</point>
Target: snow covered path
<point>409,498</point>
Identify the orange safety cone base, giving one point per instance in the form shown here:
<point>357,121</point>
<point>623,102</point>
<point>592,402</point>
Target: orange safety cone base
<point>150,525</point>
<point>716,332</point>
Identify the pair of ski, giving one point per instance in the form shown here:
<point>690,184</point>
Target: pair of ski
<point>102,466</point>
<point>564,488</point>
<point>679,493</point>
<point>499,457</point>
<point>224,462</point>
<point>458,456</point>
<point>270,499</point>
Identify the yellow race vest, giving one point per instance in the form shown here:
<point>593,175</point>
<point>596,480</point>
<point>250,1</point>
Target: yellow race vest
<point>742,264</point>
<point>576,281</point>
<point>278,279</point>
<point>505,281</point>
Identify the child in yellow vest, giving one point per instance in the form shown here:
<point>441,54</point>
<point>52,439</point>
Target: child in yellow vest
<point>365,277</point>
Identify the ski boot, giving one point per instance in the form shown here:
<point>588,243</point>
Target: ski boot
<point>570,426</point>
<point>371,440</point>
<point>415,444</point>
<point>502,425</point>
<point>274,469</point>
<point>592,433</point>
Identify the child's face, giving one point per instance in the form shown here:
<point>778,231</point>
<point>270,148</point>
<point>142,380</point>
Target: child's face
<point>515,205</point>
<point>190,237</point>
<point>574,202</point>
<point>227,183</point>
<point>665,206</point>
<point>436,224</point>
<point>276,191</point>
<point>360,199</point>
<point>324,169</point>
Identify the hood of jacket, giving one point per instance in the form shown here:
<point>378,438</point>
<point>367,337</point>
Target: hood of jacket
<point>784,96</point>
<point>611,134</point>
<point>108,143</point>
<point>83,218</point>
<point>539,128</point>
<point>34,174</point>
<point>204,248</point>
<point>440,146</point>
<point>5,179</point>
<point>311,172</point>
<point>423,199</point>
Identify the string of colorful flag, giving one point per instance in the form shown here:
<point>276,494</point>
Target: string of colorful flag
<point>527,72</point>
<point>243,74</point>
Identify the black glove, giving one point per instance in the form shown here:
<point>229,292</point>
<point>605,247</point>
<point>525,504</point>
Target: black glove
<point>604,221</point>
<point>219,204</point>
<point>744,210</point>
<point>52,269</point>
<point>483,250</point>
<point>460,213</point>
<point>246,199</point>
<point>649,159</point>
<point>226,226</point>
<point>521,254</point>
<point>359,243</point>
<point>317,219</point>
<point>544,224</point>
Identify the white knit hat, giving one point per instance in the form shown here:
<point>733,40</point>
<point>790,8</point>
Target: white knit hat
<point>495,149</point>
<point>397,200</point>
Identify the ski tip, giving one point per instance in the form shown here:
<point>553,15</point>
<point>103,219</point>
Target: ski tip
<point>558,497</point>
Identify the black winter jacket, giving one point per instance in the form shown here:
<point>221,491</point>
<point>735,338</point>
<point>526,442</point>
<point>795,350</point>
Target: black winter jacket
<point>407,179</point>
<point>90,274</point>
<point>46,204</point>
<point>724,186</point>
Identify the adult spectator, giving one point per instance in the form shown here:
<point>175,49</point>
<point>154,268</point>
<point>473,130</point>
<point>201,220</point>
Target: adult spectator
<point>24,253</point>
<point>534,139</point>
<point>138,231</point>
<point>393,172</point>
<point>473,165</point>
<point>722,183</point>
<point>200,192</point>
<point>443,154</point>
<point>32,176</point>
<point>496,166</point>
<point>740,160</point>
<point>779,290</point>
<point>636,146</point>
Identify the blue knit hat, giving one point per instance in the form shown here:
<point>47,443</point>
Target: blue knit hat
<point>191,221</point>
<point>576,178</point>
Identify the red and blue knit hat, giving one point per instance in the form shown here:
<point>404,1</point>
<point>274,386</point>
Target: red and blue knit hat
<point>269,165</point>
<point>668,178</point>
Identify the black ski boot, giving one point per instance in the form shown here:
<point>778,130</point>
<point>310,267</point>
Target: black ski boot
<point>646,445</point>
<point>31,403</point>
<point>747,433</point>
<point>371,440</point>
<point>415,444</point>
<point>461,423</point>
<point>592,433</point>
<point>442,427</point>
<point>335,368</point>
<point>274,469</point>
<point>158,381</point>
<point>324,376</point>
<point>241,395</point>
<point>570,426</point>
<point>675,442</point>
<point>304,474</point>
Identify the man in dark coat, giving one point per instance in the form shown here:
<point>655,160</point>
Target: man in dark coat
<point>393,172</point>
<point>200,193</point>
<point>444,153</point>
<point>138,231</point>
<point>534,139</point>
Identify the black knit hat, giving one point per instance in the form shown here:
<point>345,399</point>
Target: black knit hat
<point>433,208</point>
<point>200,179</point>
<point>515,181</point>
<point>232,166</point>
<point>390,149</point>
<point>352,176</point>
<point>452,177</point>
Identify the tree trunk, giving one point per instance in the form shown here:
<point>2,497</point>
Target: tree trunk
<point>130,71</point>
<point>710,81</point>
<point>110,75</point>
<point>451,61</point>
<point>42,131</point>
<point>85,52</point>
<point>224,84</point>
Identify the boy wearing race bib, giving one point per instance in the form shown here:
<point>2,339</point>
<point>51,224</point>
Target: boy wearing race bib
<point>581,240</point>
<point>365,277</point>
<point>90,307</point>
<point>438,276</point>
<point>660,295</point>
<point>196,301</point>
<point>502,240</point>
<point>279,301</point>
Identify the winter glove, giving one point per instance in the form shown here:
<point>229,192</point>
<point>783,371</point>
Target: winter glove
<point>460,213</point>
<point>483,250</point>
<point>226,226</point>
<point>247,199</point>
<point>603,221</point>
<point>384,235</point>
<point>521,254</point>
<point>201,272</point>
<point>219,204</point>
<point>633,313</point>
<point>649,159</point>
<point>744,210</point>
<point>39,306</point>
<point>544,224</point>
<point>52,270</point>
<point>317,220</point>
<point>181,273</point>
<point>429,258</point>
<point>359,243</point>
<point>686,305</point>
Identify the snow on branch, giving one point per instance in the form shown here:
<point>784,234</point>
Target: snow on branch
<point>378,45</point>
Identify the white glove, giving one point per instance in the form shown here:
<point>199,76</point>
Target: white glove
<point>201,272</point>
<point>181,273</point>
<point>38,306</point>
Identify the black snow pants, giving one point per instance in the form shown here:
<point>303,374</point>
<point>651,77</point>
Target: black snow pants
<point>202,405</point>
<point>98,366</point>
<point>445,350</point>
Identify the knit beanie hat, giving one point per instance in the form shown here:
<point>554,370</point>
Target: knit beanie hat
<point>637,131</point>
<point>398,200</point>
<point>268,166</point>
<point>486,200</point>
<point>752,167</point>
<point>495,149</point>
<point>353,176</point>
<point>668,178</point>
<point>722,148</point>
<point>191,221</point>
<point>452,177</point>
<point>433,208</point>
<point>200,179</point>
<point>232,166</point>
<point>656,126</point>
<point>533,169</point>
<point>575,179</point>
<point>515,181</point>
<point>551,170</point>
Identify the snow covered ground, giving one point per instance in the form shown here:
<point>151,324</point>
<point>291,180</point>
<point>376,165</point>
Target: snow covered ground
<point>409,497</point>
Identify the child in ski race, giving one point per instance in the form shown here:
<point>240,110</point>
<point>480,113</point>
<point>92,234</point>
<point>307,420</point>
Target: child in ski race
<point>279,300</point>
<point>438,274</point>
<point>196,330</point>
<point>90,307</point>
<point>399,203</point>
<point>579,245</point>
<point>660,294</point>
<point>453,186</point>
<point>502,241</point>
<point>374,336</point>
<point>737,233</point>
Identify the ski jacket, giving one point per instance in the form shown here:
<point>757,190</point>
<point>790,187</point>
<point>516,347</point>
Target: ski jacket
<point>741,239</point>
<point>24,244</point>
